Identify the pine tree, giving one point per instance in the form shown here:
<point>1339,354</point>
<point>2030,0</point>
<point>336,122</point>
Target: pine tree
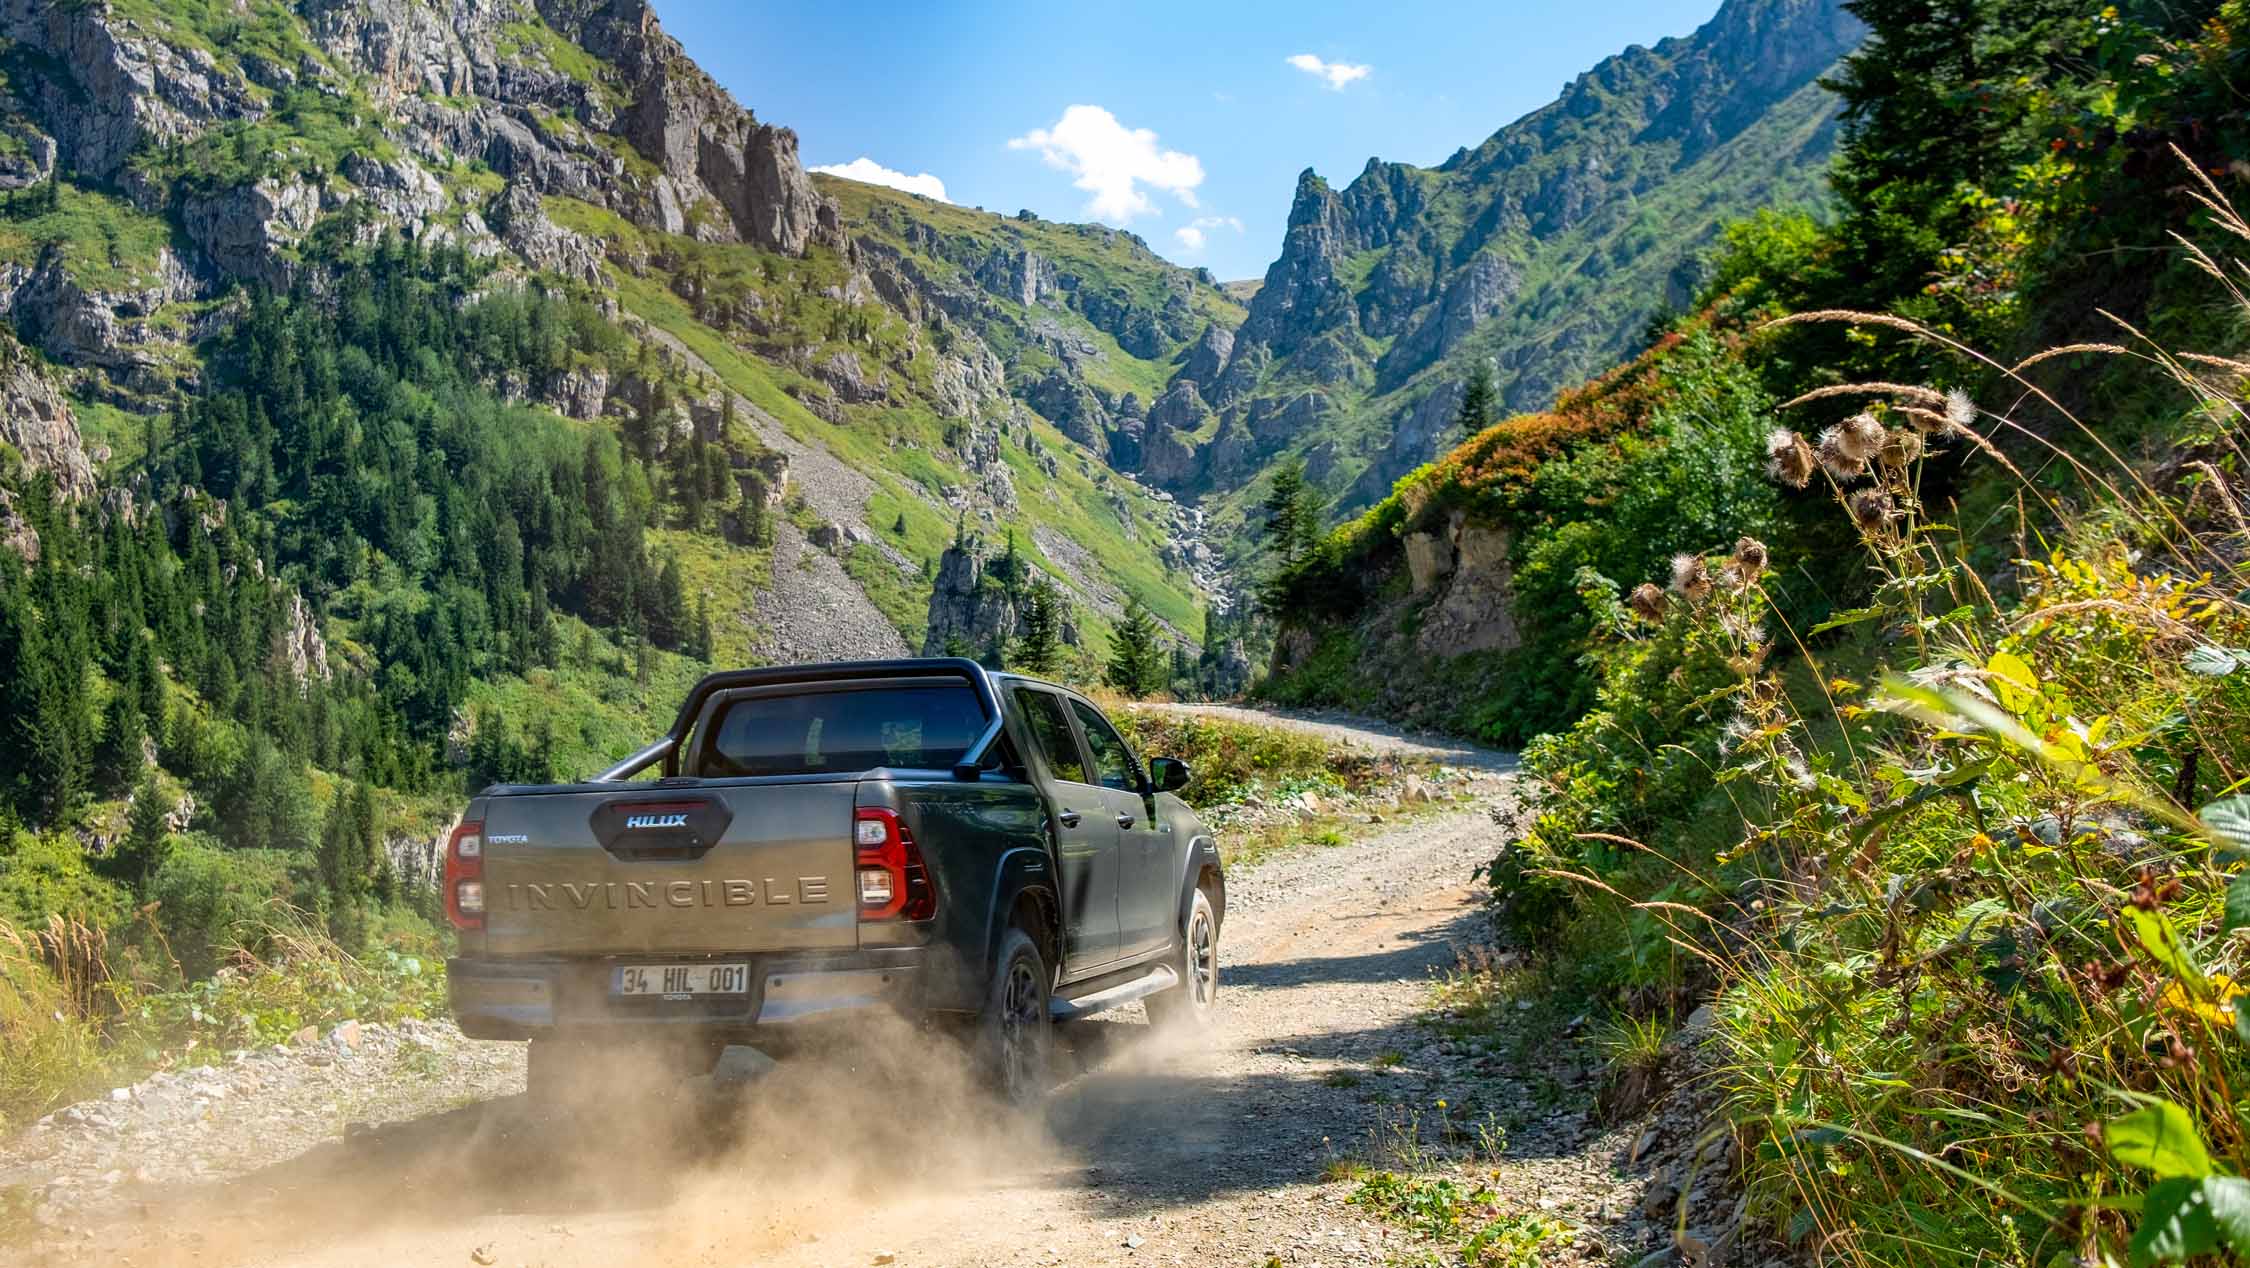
<point>1292,529</point>
<point>1136,661</point>
<point>1480,401</point>
<point>147,838</point>
<point>1038,649</point>
<point>1292,509</point>
<point>120,759</point>
<point>702,647</point>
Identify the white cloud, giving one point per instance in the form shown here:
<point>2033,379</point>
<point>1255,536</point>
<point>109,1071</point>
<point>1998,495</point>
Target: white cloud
<point>1195,234</point>
<point>868,171</point>
<point>1112,162</point>
<point>1336,73</point>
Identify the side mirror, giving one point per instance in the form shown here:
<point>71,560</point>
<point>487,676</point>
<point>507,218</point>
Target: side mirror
<point>1167,773</point>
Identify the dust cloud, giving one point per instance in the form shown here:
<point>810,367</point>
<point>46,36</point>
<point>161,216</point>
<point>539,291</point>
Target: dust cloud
<point>635,1159</point>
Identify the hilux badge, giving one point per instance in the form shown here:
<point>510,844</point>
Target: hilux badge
<point>655,821</point>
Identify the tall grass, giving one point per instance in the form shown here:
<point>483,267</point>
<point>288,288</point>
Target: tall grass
<point>77,1010</point>
<point>1962,868</point>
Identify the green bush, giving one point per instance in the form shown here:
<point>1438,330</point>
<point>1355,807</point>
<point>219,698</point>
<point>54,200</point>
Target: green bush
<point>211,900</point>
<point>1229,760</point>
<point>47,874</point>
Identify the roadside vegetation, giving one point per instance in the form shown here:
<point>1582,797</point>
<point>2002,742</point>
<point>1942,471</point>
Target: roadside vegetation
<point>1922,760</point>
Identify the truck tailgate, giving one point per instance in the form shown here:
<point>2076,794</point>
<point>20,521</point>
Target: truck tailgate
<point>745,866</point>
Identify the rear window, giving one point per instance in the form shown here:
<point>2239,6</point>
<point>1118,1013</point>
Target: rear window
<point>815,732</point>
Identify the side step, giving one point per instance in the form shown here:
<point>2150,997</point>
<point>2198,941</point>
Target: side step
<point>1160,978</point>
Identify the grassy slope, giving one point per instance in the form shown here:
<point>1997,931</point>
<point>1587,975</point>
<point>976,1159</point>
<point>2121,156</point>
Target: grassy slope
<point>902,447</point>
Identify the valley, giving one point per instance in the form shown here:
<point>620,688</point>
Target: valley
<point>1813,442</point>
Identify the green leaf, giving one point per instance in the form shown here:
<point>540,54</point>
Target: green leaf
<point>2017,680</point>
<point>2175,1224</point>
<point>2227,823</point>
<point>2162,942</point>
<point>2160,1137</point>
<point>2229,1199</point>
<point>2182,1218</point>
<point>2238,902</point>
<point>1842,619</point>
<point>2216,662</point>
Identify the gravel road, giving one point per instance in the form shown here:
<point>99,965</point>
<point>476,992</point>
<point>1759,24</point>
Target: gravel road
<point>1352,731</point>
<point>1211,1152</point>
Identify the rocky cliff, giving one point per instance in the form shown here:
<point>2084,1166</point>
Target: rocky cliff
<point>918,363</point>
<point>1543,251</point>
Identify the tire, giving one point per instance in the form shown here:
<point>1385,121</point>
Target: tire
<point>1187,1008</point>
<point>1014,1035</point>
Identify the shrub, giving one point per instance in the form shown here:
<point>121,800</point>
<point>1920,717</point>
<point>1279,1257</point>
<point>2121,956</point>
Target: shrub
<point>1966,876</point>
<point>211,901</point>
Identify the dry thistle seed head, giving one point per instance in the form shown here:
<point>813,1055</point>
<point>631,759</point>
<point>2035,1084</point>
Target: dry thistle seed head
<point>1926,421</point>
<point>1749,561</point>
<point>1648,602</point>
<point>1900,449</point>
<point>1871,510</point>
<point>1690,579</point>
<point>1960,411</point>
<point>1835,455</point>
<point>1861,436</point>
<point>1789,458</point>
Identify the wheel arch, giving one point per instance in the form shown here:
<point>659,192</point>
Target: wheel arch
<point>1024,897</point>
<point>1203,873</point>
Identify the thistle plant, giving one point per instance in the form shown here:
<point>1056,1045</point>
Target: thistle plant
<point>1964,868</point>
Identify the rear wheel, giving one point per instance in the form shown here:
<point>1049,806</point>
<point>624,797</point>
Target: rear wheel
<point>1188,1006</point>
<point>1014,1033</point>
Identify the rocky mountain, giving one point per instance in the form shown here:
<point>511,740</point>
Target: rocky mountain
<point>1543,251</point>
<point>890,369</point>
<point>887,375</point>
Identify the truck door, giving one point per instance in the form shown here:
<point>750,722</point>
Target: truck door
<point>1086,833</point>
<point>1148,865</point>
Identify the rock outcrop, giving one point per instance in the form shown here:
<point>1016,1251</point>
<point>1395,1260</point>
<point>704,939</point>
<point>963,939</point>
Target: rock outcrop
<point>37,427</point>
<point>1386,289</point>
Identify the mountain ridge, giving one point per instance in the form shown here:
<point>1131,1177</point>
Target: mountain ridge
<point>1352,356</point>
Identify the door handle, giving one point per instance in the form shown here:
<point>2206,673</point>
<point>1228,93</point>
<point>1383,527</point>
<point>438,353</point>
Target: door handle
<point>1125,821</point>
<point>1068,818</point>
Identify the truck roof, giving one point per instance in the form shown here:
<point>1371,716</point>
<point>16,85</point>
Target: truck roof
<point>834,671</point>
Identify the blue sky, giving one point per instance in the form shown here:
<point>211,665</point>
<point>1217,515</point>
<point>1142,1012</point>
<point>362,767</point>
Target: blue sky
<point>1239,97</point>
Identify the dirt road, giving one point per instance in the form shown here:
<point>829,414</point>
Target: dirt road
<point>1210,1153</point>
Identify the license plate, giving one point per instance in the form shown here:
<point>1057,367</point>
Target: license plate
<point>679,981</point>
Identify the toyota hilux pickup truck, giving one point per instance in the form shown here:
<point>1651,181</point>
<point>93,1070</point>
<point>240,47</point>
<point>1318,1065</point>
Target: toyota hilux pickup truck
<point>975,850</point>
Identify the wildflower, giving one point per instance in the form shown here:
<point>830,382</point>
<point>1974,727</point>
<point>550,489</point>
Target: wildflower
<point>1788,458</point>
<point>1690,579</point>
<point>1861,436</point>
<point>1748,562</point>
<point>1960,411</point>
<point>1900,449</point>
<point>1834,453</point>
<point>1734,733</point>
<point>2218,1009</point>
<point>1648,602</point>
<point>1872,510</point>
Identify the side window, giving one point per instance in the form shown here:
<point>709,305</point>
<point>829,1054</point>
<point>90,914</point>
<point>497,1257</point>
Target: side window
<point>1050,730</point>
<point>1113,762</point>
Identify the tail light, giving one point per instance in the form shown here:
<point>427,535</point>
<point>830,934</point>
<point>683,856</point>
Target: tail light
<point>464,876</point>
<point>893,883</point>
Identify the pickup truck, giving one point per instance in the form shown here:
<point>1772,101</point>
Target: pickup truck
<point>976,850</point>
